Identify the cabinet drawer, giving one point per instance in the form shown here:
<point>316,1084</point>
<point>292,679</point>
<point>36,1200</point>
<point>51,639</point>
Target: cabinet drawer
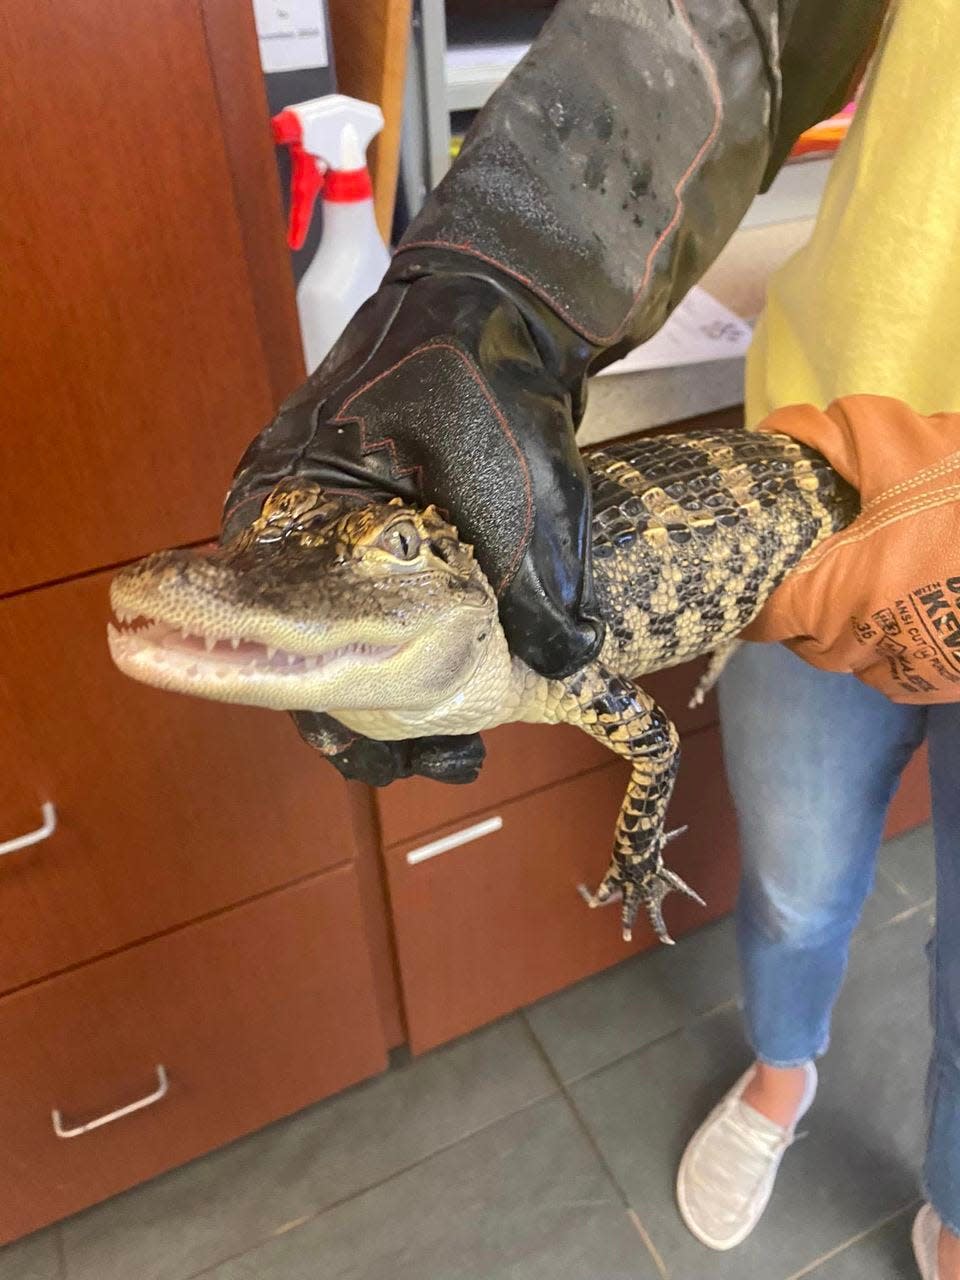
<point>135,371</point>
<point>525,757</point>
<point>251,1014</point>
<point>168,808</point>
<point>496,922</point>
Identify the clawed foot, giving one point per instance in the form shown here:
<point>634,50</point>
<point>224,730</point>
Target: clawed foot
<point>650,891</point>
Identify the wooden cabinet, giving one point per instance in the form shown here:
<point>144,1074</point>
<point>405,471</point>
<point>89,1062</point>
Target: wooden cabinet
<point>485,880</point>
<point>499,920</point>
<point>250,1016</point>
<point>147,320</point>
<point>191,900</point>
<point>168,808</point>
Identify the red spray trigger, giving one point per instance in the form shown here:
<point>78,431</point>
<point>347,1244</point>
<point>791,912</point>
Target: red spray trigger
<point>306,180</point>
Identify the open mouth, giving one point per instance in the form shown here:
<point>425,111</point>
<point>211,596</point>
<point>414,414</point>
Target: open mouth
<point>144,643</point>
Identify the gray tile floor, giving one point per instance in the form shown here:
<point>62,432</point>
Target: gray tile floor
<point>544,1147</point>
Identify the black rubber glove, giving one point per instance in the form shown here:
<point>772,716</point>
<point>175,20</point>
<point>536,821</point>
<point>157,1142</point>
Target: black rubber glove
<point>593,190</point>
<point>440,391</point>
<point>453,389</point>
<point>359,759</point>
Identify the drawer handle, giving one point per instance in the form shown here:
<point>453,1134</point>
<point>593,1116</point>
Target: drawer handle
<point>49,814</point>
<point>163,1086</point>
<point>476,832</point>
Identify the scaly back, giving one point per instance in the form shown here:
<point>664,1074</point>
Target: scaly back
<point>692,532</point>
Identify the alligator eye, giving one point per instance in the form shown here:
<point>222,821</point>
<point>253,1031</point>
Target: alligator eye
<point>402,540</point>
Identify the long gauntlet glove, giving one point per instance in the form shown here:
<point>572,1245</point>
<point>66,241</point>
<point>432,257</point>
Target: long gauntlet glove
<point>593,190</point>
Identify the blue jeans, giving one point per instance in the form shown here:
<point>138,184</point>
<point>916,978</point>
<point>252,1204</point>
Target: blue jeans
<point>813,760</point>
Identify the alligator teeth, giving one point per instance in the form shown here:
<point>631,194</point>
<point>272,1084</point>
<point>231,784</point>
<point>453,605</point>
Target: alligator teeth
<point>271,652</point>
<point>235,641</point>
<point>209,643</point>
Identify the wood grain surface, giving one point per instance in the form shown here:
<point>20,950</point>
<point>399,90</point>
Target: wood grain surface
<point>498,922</point>
<point>135,370</point>
<point>370,39</point>
<point>169,807</point>
<point>254,1014</point>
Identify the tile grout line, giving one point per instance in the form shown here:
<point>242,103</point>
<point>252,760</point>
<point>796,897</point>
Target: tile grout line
<point>644,1235</point>
<point>694,1020</point>
<point>848,1244</point>
<point>561,1089</point>
<point>61,1250</point>
<point>297,1223</point>
<point>885,871</point>
<point>862,937</point>
<point>598,1154</point>
<point>892,879</point>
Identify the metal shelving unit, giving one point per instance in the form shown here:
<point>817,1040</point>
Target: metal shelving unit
<point>474,71</point>
<point>455,64</point>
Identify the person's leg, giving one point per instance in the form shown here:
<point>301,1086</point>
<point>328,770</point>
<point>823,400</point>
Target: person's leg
<point>942,1166</point>
<point>813,759</point>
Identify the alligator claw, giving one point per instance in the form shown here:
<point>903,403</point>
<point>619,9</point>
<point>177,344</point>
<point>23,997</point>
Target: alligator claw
<point>653,892</point>
<point>675,834</point>
<point>650,891</point>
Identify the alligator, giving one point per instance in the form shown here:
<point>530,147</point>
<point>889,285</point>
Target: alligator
<point>376,612</point>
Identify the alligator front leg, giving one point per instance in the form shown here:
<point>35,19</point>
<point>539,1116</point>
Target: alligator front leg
<point>629,722</point>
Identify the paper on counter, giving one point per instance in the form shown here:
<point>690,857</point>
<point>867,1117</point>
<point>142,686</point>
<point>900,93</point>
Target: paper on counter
<point>700,329</point>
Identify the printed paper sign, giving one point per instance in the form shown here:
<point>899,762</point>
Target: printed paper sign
<point>700,329</point>
<point>292,34</point>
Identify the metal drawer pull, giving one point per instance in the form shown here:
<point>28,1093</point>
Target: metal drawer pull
<point>475,832</point>
<point>163,1085</point>
<point>49,814</point>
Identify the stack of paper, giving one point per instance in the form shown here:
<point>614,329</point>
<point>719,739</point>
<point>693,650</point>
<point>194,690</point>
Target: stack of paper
<point>699,330</point>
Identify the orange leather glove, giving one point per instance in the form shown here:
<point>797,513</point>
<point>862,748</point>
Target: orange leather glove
<point>881,598</point>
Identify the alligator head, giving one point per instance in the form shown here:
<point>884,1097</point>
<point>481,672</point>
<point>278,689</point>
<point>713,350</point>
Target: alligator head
<point>318,605</point>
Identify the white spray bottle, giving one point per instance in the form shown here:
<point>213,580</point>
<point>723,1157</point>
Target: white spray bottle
<point>328,139</point>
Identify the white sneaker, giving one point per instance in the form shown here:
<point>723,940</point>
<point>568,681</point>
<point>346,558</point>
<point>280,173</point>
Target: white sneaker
<point>728,1170</point>
<point>926,1239</point>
